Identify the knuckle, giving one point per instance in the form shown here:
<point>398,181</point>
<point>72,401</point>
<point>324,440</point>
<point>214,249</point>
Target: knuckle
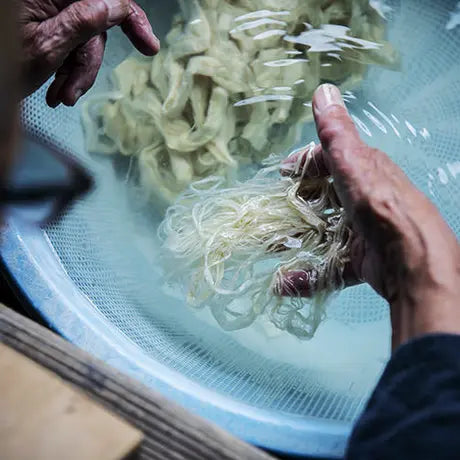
<point>81,19</point>
<point>335,122</point>
<point>44,48</point>
<point>84,18</point>
<point>383,204</point>
<point>141,17</point>
<point>328,131</point>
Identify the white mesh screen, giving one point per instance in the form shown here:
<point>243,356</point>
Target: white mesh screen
<point>108,246</point>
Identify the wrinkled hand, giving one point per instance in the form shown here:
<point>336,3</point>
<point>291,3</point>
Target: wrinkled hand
<point>68,38</point>
<point>402,246</point>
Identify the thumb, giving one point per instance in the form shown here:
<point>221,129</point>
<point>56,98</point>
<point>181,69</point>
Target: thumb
<point>336,130</point>
<point>346,157</point>
<point>75,25</point>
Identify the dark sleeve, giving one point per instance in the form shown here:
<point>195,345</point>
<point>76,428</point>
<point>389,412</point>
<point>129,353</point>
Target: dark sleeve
<point>414,412</point>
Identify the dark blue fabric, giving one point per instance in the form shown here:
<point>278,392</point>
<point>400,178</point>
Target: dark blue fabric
<point>414,412</point>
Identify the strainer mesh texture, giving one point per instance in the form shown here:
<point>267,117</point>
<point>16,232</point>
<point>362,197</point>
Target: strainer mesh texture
<point>108,247</point>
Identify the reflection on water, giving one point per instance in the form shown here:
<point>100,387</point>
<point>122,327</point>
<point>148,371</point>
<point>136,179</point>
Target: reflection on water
<point>232,84</point>
<point>392,124</point>
<point>386,124</point>
<point>419,110</point>
<point>328,45</point>
<point>329,38</point>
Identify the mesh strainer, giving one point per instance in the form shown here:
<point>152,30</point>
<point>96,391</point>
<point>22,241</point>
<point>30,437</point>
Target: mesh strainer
<point>95,276</point>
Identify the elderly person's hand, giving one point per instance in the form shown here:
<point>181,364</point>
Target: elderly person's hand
<point>68,38</point>
<point>403,248</point>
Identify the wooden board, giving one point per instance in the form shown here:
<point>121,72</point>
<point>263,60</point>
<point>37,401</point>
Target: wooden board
<point>43,418</point>
<point>170,432</point>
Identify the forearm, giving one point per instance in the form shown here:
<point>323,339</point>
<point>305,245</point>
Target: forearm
<point>437,312</point>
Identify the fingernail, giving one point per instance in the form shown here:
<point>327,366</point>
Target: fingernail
<point>326,96</point>
<point>157,41</point>
<point>154,40</point>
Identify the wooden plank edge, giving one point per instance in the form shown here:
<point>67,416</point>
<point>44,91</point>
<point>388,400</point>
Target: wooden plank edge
<point>170,431</point>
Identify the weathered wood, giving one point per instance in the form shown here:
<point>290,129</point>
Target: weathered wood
<point>44,418</point>
<point>170,432</point>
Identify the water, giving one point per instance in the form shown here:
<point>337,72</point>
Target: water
<point>108,247</point>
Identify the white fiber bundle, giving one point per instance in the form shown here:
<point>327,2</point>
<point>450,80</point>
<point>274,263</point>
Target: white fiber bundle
<point>230,85</point>
<point>232,247</point>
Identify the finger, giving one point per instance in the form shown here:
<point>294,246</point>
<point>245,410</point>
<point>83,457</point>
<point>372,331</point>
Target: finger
<point>303,283</point>
<point>347,158</point>
<point>52,96</point>
<point>85,63</point>
<point>58,36</point>
<point>133,21</point>
<point>137,28</point>
<point>370,186</point>
<point>78,73</point>
<point>336,129</point>
<point>306,283</point>
<point>307,162</point>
